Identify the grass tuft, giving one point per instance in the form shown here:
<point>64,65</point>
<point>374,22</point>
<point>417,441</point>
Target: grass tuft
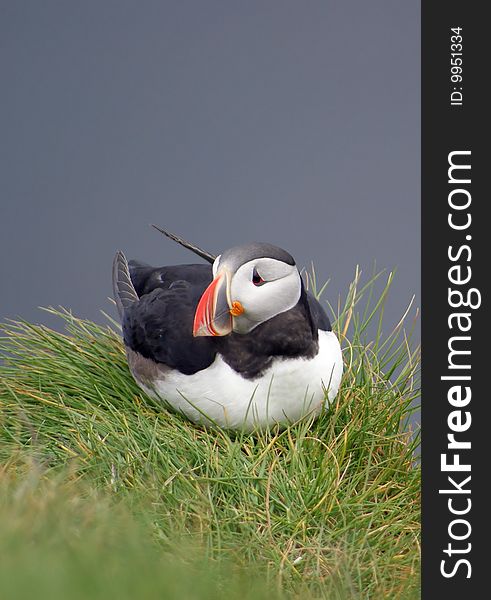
<point>104,492</point>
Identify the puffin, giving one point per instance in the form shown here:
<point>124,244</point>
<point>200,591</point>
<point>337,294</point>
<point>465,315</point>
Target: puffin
<point>236,342</point>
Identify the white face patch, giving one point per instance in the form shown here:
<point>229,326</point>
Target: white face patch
<point>279,291</point>
<point>270,269</point>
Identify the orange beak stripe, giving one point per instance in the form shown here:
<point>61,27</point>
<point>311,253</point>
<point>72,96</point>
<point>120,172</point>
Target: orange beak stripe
<point>205,311</point>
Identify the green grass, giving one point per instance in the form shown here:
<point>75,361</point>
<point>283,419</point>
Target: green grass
<point>105,494</point>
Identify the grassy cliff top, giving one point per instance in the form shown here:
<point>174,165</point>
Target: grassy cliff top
<point>104,493</point>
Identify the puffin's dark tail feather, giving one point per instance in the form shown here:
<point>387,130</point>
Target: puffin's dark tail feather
<point>124,292</point>
<point>206,255</point>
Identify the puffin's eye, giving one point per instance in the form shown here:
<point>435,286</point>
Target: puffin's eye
<point>256,278</point>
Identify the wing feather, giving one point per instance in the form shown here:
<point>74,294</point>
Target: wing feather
<point>124,291</point>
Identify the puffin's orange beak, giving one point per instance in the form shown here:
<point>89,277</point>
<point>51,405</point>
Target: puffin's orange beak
<point>213,314</point>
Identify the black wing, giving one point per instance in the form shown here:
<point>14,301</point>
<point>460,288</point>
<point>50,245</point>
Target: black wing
<point>146,278</point>
<point>318,314</point>
<point>158,320</point>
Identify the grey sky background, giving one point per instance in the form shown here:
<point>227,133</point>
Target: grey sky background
<point>296,123</point>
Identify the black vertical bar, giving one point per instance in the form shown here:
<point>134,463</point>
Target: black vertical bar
<point>455,119</point>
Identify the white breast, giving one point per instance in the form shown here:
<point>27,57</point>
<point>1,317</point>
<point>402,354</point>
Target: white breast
<point>288,390</point>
